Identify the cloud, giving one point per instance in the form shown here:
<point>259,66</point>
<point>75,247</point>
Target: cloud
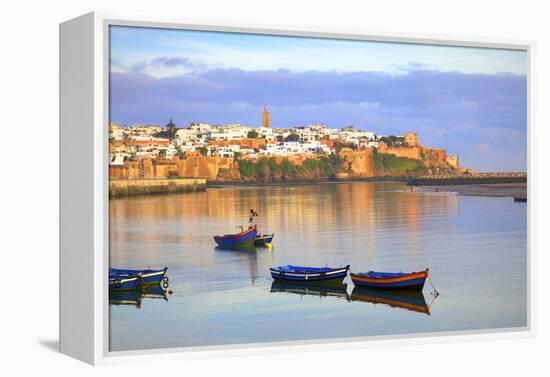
<point>163,67</point>
<point>453,110</point>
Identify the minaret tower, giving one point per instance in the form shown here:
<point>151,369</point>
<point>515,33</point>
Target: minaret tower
<point>266,118</point>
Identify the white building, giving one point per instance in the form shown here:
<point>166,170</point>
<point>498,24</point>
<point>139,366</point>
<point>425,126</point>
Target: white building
<point>143,130</point>
<point>229,132</point>
<point>184,135</point>
<point>226,151</point>
<point>266,133</point>
<point>354,136</point>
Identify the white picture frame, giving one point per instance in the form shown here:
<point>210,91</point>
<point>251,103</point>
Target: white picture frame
<point>84,199</point>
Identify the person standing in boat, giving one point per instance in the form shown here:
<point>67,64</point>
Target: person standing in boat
<point>251,219</point>
<point>252,215</point>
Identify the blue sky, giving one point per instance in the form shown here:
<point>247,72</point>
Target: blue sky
<point>471,101</point>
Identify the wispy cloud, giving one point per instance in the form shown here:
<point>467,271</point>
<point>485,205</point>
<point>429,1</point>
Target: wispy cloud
<point>252,52</point>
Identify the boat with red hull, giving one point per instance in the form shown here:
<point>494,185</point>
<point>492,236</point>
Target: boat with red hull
<point>245,238</point>
<point>388,280</point>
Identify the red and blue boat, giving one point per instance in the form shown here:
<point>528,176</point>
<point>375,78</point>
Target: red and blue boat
<point>245,238</point>
<point>399,280</point>
<point>309,274</point>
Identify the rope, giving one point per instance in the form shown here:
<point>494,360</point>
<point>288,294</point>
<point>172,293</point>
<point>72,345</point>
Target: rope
<point>435,292</point>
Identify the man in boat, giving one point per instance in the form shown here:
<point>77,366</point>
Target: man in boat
<point>252,215</point>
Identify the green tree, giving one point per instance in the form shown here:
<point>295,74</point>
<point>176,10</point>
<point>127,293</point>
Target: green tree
<point>247,168</point>
<point>252,134</point>
<point>287,168</point>
<point>203,151</point>
<point>162,153</point>
<point>393,164</point>
<point>262,168</point>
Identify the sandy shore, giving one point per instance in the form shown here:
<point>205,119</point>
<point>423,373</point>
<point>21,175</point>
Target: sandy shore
<point>515,190</point>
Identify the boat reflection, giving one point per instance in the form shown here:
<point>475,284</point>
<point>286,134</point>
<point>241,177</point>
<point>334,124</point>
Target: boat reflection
<point>245,248</point>
<point>321,289</point>
<point>135,297</point>
<point>404,299</point>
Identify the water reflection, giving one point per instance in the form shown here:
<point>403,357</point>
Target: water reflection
<point>321,289</point>
<point>403,299</point>
<point>135,297</point>
<point>223,296</point>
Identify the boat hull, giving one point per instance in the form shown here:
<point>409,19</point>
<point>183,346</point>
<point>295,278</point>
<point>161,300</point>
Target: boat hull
<point>243,239</point>
<point>310,274</point>
<point>412,281</point>
<point>147,276</point>
<point>264,240</point>
<point>124,284</point>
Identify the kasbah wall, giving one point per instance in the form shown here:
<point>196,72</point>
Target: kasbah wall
<point>361,162</point>
<point>415,151</point>
<point>194,165</point>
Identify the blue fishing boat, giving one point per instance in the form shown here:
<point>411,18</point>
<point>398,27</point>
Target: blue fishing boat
<point>245,238</point>
<point>397,280</point>
<point>309,274</point>
<point>264,239</point>
<point>124,283</point>
<point>148,276</point>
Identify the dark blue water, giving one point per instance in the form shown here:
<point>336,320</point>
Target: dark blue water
<point>475,247</point>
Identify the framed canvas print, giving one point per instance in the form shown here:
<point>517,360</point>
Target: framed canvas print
<point>231,187</point>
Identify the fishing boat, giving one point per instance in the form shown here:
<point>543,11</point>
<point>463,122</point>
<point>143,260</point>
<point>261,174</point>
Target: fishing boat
<point>309,274</point>
<point>244,238</point>
<point>264,239</point>
<point>400,280</point>
<point>124,283</point>
<point>148,276</point>
<point>395,298</point>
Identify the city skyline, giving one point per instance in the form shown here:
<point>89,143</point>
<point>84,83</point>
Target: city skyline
<point>470,101</point>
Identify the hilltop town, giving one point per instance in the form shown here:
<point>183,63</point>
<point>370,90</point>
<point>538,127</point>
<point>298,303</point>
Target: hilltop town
<point>236,153</point>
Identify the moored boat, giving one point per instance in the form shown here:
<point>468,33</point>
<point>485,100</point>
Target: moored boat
<point>309,274</point>
<point>124,283</point>
<point>400,280</point>
<point>244,238</point>
<point>264,239</point>
<point>147,276</point>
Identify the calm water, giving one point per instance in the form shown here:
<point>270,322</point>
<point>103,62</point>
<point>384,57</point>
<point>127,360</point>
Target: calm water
<point>475,248</point>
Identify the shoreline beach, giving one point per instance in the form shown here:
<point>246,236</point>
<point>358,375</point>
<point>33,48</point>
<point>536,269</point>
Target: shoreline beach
<point>515,190</point>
